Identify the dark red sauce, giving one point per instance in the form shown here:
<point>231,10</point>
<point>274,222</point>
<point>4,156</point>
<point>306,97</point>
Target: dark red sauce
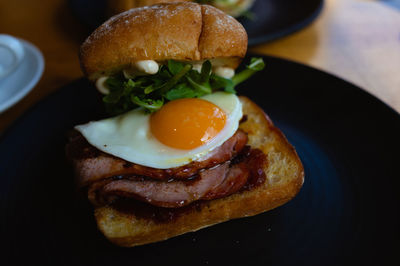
<point>256,161</point>
<point>158,214</point>
<point>243,119</point>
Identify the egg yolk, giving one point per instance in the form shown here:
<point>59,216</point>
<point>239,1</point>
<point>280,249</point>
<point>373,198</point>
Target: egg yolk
<point>187,123</point>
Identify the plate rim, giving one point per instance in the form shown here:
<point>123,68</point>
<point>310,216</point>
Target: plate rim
<point>290,29</point>
<point>30,85</point>
<point>253,41</point>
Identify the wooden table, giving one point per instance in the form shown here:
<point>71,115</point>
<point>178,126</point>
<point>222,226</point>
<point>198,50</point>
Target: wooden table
<point>357,40</point>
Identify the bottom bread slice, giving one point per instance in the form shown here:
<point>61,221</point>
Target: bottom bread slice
<point>284,178</point>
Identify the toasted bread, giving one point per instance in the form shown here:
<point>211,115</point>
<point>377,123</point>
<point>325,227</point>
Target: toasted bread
<point>285,176</point>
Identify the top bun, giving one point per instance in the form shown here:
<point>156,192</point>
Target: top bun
<point>182,31</point>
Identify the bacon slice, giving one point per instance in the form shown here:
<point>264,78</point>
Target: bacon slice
<point>217,182</point>
<point>167,194</point>
<point>226,170</point>
<point>234,181</point>
<point>246,173</point>
<point>243,172</point>
<point>91,164</point>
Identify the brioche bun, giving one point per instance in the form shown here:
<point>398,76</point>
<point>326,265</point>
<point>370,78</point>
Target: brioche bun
<point>183,31</point>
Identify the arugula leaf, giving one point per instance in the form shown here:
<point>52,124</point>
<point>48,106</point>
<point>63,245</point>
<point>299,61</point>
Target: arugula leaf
<point>173,81</point>
<point>256,64</point>
<point>204,88</point>
<point>220,82</point>
<point>149,104</point>
<point>175,67</point>
<point>180,91</point>
<point>116,88</point>
<point>149,89</point>
<point>205,71</point>
<point>112,97</point>
<point>114,83</point>
<point>229,4</point>
<point>249,15</point>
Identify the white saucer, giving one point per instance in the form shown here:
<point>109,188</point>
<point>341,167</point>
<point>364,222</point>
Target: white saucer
<point>17,84</point>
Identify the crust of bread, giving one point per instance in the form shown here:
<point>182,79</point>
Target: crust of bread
<point>222,36</point>
<point>285,177</point>
<point>182,31</point>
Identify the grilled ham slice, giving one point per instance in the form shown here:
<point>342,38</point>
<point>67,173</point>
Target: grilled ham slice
<point>91,164</point>
<point>241,172</point>
<point>223,172</point>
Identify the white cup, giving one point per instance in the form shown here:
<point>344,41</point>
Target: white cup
<point>11,54</point>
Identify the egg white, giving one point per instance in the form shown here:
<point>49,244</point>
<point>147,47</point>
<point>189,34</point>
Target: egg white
<point>128,136</point>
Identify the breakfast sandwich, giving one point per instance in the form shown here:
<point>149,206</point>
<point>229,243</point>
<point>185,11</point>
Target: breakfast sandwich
<point>180,150</point>
<point>235,8</point>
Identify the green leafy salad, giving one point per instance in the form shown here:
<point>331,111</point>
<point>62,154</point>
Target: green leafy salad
<point>227,3</point>
<point>232,7</point>
<point>173,81</point>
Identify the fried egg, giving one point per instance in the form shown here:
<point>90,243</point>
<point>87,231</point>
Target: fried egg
<point>182,131</point>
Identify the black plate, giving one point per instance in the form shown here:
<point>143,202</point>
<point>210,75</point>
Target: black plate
<point>347,212</point>
<point>272,19</point>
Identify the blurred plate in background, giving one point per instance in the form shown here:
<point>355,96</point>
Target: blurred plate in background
<point>18,83</point>
<point>272,19</point>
